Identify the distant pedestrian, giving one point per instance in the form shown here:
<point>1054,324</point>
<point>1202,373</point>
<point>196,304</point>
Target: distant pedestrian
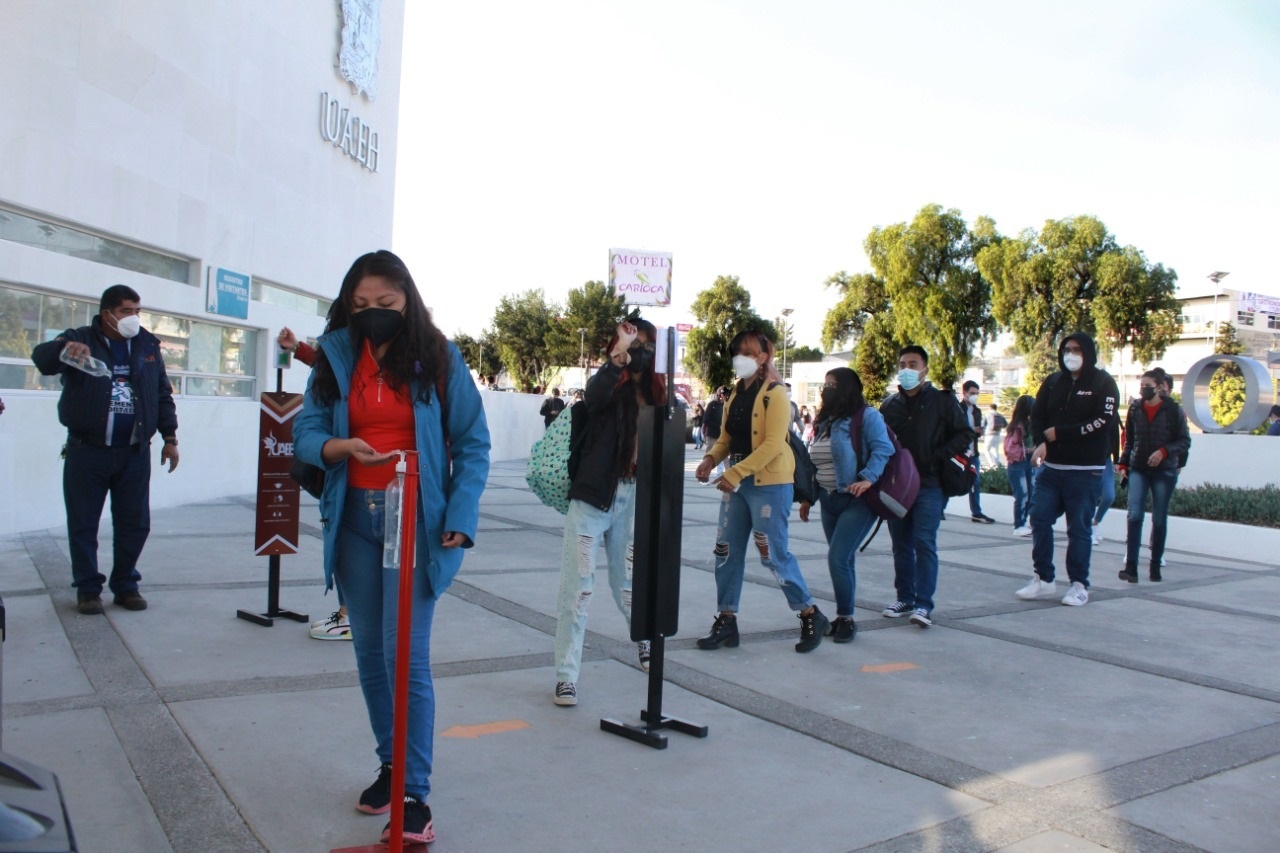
<point>977,423</point>
<point>713,417</point>
<point>930,424</point>
<point>1071,424</point>
<point>1108,494</point>
<point>1018,449</point>
<point>696,423</point>
<point>845,473</point>
<point>551,407</point>
<point>1274,418</point>
<point>1155,436</point>
<point>996,425</point>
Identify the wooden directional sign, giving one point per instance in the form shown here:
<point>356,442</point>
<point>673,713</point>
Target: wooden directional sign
<point>276,531</point>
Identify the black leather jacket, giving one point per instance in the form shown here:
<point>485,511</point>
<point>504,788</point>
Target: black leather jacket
<point>931,425</point>
<point>1142,437</point>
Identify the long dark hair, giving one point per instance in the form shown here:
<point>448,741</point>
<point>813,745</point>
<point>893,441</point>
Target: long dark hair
<point>420,352</point>
<point>625,410</point>
<point>1022,414</point>
<point>844,401</point>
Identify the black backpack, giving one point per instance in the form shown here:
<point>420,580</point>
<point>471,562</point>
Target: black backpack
<point>806,477</point>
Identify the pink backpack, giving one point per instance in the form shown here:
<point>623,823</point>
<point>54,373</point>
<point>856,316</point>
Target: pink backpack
<point>1013,449</point>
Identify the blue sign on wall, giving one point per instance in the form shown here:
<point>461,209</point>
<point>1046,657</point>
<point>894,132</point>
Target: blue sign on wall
<point>228,293</point>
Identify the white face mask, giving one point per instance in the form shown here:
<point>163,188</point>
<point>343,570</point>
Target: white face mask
<point>129,326</point>
<point>744,366</point>
<point>1073,361</point>
<point>973,399</point>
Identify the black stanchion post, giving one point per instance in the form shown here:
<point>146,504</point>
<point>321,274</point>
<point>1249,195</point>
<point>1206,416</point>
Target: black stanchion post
<point>655,589</point>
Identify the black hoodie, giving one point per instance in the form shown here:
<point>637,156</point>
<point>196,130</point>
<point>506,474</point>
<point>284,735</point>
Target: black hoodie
<point>1081,410</point>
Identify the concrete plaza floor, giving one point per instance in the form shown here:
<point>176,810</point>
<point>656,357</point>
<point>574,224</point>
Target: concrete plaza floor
<point>1148,720</point>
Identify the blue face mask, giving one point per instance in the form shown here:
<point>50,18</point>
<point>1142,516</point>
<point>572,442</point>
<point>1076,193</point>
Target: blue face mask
<point>908,378</point>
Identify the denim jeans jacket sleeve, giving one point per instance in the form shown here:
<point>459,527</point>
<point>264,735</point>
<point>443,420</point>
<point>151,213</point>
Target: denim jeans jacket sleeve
<point>876,449</point>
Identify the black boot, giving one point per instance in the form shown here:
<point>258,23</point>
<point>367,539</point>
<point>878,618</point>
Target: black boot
<point>724,632</point>
<point>812,626</point>
<point>1129,573</point>
<point>1155,571</point>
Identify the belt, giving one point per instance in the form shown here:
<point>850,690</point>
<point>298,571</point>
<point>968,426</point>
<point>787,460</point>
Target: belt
<point>735,458</point>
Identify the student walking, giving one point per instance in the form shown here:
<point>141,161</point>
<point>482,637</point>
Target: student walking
<point>845,472</point>
<point>1017,451</point>
<point>757,493</point>
<point>602,495</point>
<point>1155,438</point>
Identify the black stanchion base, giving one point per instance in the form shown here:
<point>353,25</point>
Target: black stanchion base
<point>268,619</point>
<point>648,734</point>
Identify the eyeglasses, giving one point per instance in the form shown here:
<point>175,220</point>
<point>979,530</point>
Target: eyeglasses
<point>829,386</point>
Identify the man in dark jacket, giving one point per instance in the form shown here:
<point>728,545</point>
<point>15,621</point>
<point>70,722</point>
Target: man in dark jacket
<point>930,424</point>
<point>973,417</point>
<point>551,407</point>
<point>1072,424</point>
<point>110,421</point>
<point>713,417</point>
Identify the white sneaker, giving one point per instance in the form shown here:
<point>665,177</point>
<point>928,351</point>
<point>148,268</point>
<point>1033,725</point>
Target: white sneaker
<point>1022,531</point>
<point>1076,596</point>
<point>336,627</point>
<point>1037,589</point>
<point>1097,536</point>
<point>644,652</point>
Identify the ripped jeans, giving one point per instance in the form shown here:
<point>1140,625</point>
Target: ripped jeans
<point>758,513</point>
<point>586,529</point>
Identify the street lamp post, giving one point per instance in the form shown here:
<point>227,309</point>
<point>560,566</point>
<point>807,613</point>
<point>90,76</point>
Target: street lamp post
<point>1216,278</point>
<point>582,354</point>
<point>786,312</point>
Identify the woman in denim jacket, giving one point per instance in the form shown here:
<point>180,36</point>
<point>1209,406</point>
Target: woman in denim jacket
<point>844,474</point>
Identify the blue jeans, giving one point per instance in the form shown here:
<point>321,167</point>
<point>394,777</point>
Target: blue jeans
<point>1071,493</point>
<point>88,476</point>
<point>846,520</point>
<point>1160,485</point>
<point>1023,486</point>
<point>975,493</point>
<point>915,549</point>
<point>372,597</point>
<point>764,509</point>
<point>1108,492</point>
<point>586,529</point>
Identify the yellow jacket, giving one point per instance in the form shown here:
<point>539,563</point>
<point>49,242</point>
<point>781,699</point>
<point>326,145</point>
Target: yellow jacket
<point>770,459</point>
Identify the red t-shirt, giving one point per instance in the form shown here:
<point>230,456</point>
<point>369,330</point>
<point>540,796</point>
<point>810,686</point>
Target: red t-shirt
<point>380,416</point>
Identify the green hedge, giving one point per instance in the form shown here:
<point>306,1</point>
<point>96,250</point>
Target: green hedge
<point>1259,507</point>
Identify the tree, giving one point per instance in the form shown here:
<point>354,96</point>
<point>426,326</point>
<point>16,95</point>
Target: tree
<point>521,326</point>
<point>595,307</point>
<point>799,354</point>
<point>863,316</point>
<point>940,300</point>
<point>722,311</point>
<point>1226,387</point>
<point>1136,305</point>
<point>480,354</point>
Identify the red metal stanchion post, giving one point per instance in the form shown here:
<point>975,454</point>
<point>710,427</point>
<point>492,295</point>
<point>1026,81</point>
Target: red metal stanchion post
<point>404,626</point>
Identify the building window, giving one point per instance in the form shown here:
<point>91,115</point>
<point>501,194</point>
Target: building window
<point>1244,318</point>
<point>56,237</point>
<point>1273,321</point>
<point>202,359</point>
<point>274,294</point>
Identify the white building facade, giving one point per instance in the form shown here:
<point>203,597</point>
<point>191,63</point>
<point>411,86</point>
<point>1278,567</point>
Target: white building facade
<point>228,161</point>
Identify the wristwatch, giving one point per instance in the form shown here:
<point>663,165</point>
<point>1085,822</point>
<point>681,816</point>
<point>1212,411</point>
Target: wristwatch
<point>173,439</point>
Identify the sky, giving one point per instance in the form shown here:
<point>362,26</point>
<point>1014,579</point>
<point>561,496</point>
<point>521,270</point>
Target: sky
<point>765,139</point>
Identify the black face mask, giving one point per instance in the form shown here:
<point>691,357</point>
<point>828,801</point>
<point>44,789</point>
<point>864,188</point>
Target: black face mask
<point>1147,393</point>
<point>828,395</point>
<point>379,325</point>
<point>641,359</point>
